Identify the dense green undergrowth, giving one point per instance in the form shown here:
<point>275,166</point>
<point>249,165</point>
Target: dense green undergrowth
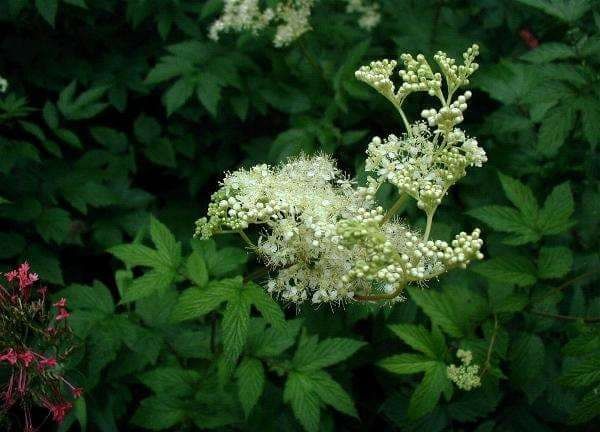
<point>120,118</point>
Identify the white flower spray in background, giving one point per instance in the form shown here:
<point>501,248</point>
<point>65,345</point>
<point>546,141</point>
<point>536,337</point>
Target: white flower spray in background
<point>289,18</point>
<point>3,85</point>
<point>324,238</point>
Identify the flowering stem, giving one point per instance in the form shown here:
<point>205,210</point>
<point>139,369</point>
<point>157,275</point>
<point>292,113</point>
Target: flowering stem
<point>429,223</point>
<point>247,239</point>
<point>394,208</point>
<point>404,120</point>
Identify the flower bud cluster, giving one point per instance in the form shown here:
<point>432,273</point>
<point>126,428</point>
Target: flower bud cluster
<point>465,376</point>
<point>289,18</point>
<point>457,75</point>
<point>34,340</point>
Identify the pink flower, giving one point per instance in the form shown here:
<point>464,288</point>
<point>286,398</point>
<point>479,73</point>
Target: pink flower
<point>77,392</point>
<point>63,314</point>
<point>61,303</point>
<point>49,362</point>
<point>59,410</point>
<point>10,356</point>
<point>27,357</point>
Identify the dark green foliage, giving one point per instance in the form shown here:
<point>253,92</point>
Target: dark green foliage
<point>118,110</point>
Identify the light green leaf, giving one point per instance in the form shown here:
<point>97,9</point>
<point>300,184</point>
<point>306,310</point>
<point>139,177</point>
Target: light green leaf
<point>148,284</point>
<point>507,219</point>
<point>331,393</point>
<point>235,325</point>
<point>521,196</point>
<point>196,269</point>
<point>165,242</point>
<point>554,262</point>
<point>557,210</point>
<point>328,352</point>
<point>512,269</point>
<point>549,51</point>
<point>251,382</point>
<point>427,393</point>
<point>305,402</point>
<point>265,304</point>
<point>418,338</point>
<point>195,302</point>
<point>406,363</point>
<point>96,297</point>
<point>138,255</point>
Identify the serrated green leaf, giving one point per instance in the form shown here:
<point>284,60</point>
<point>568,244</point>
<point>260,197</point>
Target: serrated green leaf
<point>195,302</point>
<point>554,262</point>
<point>582,374</point>
<point>53,224</point>
<point>138,255</point>
<point>526,355</point>
<point>172,381</point>
<point>555,129</point>
<point>406,363</point>
<point>331,392</point>
<point>549,51</point>
<point>148,284</point>
<point>310,357</point>
<point>235,325</point>
<point>305,402</point>
<point>512,269</point>
<point>418,338</point>
<point>586,409</point>
<point>557,210</point>
<point>165,242</point>
<point>158,413</point>
<point>196,269</point>
<point>427,393</point>
<point>251,382</point>
<point>96,297</point>
<point>178,94</point>
<point>521,196</point>
<point>265,304</point>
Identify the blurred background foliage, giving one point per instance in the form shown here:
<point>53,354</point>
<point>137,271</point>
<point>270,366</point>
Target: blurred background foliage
<point>121,109</point>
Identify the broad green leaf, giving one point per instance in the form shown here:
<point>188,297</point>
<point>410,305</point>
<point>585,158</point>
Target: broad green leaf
<point>304,401</point>
<point>521,196</point>
<point>53,224</point>
<point>95,297</point>
<point>507,219</point>
<point>251,382</point>
<point>557,210</point>
<point>582,374</point>
<point>148,284</point>
<point>554,262</point>
<point>172,381</point>
<point>235,325</point>
<point>265,304</point>
<point>196,269</point>
<point>195,302</point>
<point>549,51</point>
<point>526,357</point>
<point>165,242</point>
<point>566,10</point>
<point>406,363</point>
<point>208,92</point>
<point>331,392</point>
<point>418,338</point>
<point>158,413</point>
<point>555,129</point>
<point>178,94</point>
<point>427,393</point>
<point>586,409</point>
<point>512,269</point>
<point>138,255</point>
<point>47,9</point>
<point>274,341</point>
<point>328,352</point>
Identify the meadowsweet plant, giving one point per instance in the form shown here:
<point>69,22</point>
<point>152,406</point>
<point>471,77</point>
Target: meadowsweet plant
<point>325,238</point>
<point>288,18</point>
<point>34,341</point>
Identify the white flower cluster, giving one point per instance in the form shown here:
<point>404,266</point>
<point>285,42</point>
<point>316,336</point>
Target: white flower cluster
<point>325,239</point>
<point>290,18</point>
<point>424,162</point>
<point>3,85</point>
<point>369,15</point>
<point>465,376</point>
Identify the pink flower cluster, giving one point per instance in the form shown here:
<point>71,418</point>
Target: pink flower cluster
<point>29,333</point>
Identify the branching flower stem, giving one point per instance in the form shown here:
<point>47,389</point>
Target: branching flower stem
<point>429,223</point>
<point>394,208</point>
<point>380,297</point>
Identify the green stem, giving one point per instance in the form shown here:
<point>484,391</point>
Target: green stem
<point>247,239</point>
<point>488,357</point>
<point>429,223</point>
<point>309,57</point>
<point>394,208</point>
<point>379,297</point>
<point>405,121</point>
